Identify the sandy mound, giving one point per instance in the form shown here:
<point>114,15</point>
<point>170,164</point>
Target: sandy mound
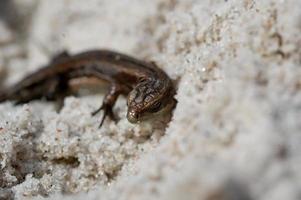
<point>235,133</point>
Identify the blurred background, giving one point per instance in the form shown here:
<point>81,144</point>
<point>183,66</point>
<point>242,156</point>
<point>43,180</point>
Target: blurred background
<point>235,133</point>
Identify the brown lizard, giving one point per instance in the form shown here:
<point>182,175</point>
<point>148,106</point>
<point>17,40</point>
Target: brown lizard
<point>149,90</point>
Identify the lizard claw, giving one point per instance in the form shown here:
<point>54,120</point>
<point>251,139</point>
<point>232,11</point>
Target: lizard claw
<point>107,111</point>
<point>112,116</point>
<point>98,110</point>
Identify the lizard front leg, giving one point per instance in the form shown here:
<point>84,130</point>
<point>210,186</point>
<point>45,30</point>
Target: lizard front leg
<point>109,101</point>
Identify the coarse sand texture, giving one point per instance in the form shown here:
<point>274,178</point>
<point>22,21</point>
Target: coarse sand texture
<point>235,133</point>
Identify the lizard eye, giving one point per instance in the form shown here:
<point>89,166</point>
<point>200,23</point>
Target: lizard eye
<point>155,107</point>
<point>142,79</point>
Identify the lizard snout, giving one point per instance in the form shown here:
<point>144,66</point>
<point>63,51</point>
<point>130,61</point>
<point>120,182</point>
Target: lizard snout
<point>132,116</point>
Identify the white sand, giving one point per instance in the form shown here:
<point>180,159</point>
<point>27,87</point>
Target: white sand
<point>235,133</point>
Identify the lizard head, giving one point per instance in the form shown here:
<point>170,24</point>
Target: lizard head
<point>148,99</point>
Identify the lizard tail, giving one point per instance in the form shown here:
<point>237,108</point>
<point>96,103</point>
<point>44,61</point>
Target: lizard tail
<point>3,96</point>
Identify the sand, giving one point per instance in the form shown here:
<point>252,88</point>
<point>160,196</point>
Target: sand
<point>234,134</point>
